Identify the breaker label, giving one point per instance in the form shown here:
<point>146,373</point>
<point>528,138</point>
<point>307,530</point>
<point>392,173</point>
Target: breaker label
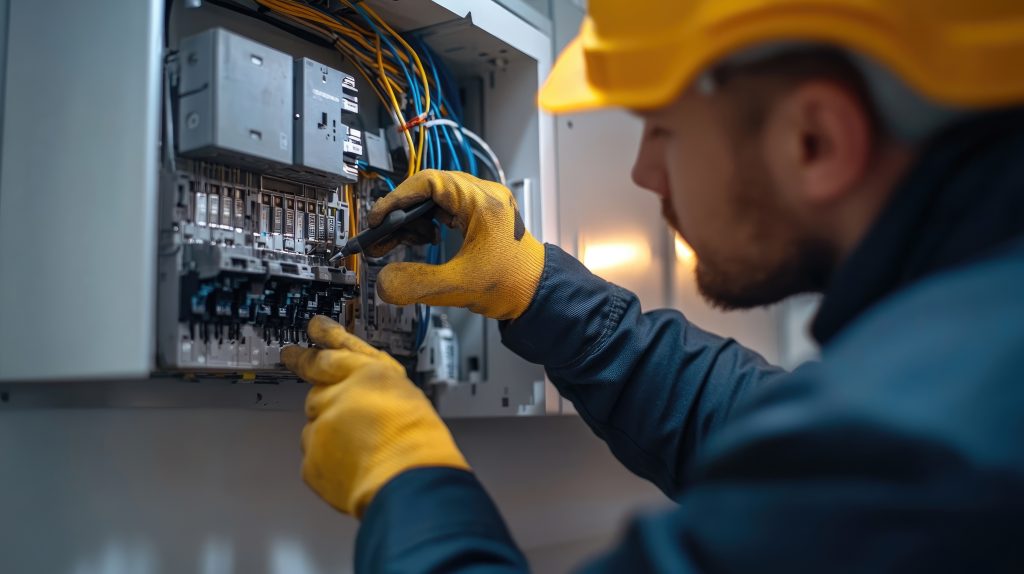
<point>326,96</point>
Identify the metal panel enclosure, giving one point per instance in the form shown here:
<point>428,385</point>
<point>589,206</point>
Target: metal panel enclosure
<point>79,137</point>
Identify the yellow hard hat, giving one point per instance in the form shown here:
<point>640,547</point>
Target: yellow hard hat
<point>641,54</point>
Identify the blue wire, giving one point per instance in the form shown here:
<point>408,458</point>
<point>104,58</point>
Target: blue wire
<point>455,157</point>
<point>454,106</point>
<point>453,111</point>
<point>440,151</point>
<point>439,100</point>
<point>394,52</point>
<point>428,154</point>
<point>453,114</point>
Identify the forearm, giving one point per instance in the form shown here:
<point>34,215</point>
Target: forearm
<point>435,520</point>
<point>651,385</point>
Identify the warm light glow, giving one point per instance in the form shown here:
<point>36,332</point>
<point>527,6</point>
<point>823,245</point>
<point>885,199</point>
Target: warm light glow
<point>685,254</point>
<point>603,256</point>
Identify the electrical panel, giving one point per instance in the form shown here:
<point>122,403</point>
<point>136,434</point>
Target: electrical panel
<point>273,129</point>
<point>250,233</point>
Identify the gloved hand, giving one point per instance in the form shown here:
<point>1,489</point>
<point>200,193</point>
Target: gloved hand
<point>499,266</point>
<point>367,422</point>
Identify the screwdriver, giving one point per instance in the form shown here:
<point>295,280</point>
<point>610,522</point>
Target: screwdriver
<point>392,222</point>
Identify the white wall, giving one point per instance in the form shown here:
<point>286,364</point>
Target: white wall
<point>218,491</point>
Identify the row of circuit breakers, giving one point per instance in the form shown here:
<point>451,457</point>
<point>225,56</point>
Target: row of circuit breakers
<point>254,208</point>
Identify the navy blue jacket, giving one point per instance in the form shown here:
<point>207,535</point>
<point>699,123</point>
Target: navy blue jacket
<point>901,450</point>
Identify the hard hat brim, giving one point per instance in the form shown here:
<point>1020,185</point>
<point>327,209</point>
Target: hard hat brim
<point>567,88</point>
<point>570,89</point>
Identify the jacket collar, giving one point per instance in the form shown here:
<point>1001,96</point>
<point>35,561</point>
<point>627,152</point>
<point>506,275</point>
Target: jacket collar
<point>963,200</point>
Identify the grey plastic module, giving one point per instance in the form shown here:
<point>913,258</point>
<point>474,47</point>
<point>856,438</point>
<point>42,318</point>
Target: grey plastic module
<point>235,100</point>
<point>319,133</point>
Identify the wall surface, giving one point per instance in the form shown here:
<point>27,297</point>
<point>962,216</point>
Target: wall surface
<point>218,491</point>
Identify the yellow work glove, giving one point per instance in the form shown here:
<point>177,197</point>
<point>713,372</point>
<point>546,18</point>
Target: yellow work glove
<point>499,266</point>
<point>367,422</point>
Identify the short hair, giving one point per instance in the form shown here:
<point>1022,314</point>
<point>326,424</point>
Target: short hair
<point>783,71</point>
<point>894,107</point>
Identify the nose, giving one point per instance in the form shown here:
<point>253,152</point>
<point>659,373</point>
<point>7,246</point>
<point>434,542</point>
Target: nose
<point>648,171</point>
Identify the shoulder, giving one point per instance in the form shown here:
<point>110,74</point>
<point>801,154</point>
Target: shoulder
<point>929,377</point>
<point>958,318</point>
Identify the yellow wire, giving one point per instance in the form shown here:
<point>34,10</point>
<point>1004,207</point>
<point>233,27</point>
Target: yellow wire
<point>356,33</point>
<point>397,110</point>
<point>324,24</point>
<point>417,160</point>
<point>415,56</point>
<point>350,199</point>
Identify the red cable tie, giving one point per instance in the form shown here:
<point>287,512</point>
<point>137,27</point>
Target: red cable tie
<point>412,123</point>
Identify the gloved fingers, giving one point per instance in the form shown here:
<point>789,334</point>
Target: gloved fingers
<point>438,285</point>
<point>307,434</point>
<point>419,232</point>
<point>315,479</point>
<point>318,400</point>
<point>384,246</point>
<point>413,191</point>
<point>457,195</point>
<point>445,218</point>
<point>329,334</point>
<point>322,366</point>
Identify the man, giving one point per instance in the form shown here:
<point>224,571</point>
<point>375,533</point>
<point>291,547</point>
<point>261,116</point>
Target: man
<point>792,160</point>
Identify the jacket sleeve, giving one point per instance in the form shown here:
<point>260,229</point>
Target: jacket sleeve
<point>652,385</point>
<point>797,483</point>
<point>435,520</point>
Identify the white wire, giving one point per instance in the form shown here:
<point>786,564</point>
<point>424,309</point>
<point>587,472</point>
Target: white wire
<point>482,158</point>
<point>479,140</point>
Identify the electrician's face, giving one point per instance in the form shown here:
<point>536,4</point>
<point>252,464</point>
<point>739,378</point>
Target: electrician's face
<point>719,192</point>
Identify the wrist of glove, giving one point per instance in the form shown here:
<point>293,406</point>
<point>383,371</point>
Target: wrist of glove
<point>496,272</point>
<point>367,422</point>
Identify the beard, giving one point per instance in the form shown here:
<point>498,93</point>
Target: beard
<point>766,261</point>
<point>734,287</point>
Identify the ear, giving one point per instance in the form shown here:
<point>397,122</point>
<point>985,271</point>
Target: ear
<point>823,135</point>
